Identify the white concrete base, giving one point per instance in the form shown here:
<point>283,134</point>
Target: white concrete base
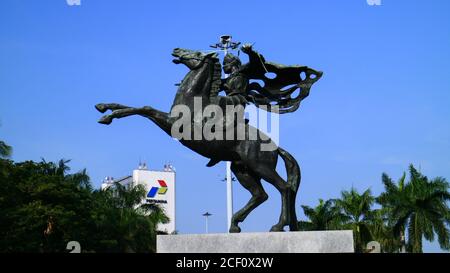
<point>264,242</point>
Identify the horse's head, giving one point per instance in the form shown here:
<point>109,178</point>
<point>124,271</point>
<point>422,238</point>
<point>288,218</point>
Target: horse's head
<point>191,58</point>
<point>204,71</point>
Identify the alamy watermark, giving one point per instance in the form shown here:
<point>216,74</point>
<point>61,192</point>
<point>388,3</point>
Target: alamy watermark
<point>374,2</point>
<point>73,2</point>
<point>74,246</point>
<point>211,123</point>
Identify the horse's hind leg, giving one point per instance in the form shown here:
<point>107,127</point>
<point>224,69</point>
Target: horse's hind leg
<point>103,107</point>
<point>253,184</point>
<point>293,221</point>
<point>271,176</point>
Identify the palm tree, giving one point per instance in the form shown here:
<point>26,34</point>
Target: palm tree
<point>391,198</point>
<point>381,230</point>
<point>357,208</point>
<point>136,224</point>
<point>5,150</point>
<point>419,207</point>
<point>325,216</point>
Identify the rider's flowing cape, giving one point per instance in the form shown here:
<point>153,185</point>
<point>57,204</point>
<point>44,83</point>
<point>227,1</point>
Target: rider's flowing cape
<point>279,90</point>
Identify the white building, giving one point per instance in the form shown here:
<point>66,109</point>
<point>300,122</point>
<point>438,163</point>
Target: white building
<point>160,188</point>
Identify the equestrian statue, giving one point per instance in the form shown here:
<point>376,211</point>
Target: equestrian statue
<point>268,86</point>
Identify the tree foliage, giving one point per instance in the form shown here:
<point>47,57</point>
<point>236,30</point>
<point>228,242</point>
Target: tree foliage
<point>417,208</point>
<point>325,216</point>
<point>410,212</point>
<point>43,207</point>
<point>5,150</point>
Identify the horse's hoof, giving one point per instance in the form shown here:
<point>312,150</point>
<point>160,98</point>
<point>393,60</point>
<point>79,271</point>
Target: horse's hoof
<point>293,227</point>
<point>105,120</point>
<point>101,107</point>
<point>277,228</point>
<point>235,229</point>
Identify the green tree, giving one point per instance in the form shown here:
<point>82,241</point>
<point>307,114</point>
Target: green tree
<point>5,150</point>
<point>381,229</point>
<point>392,194</point>
<point>43,207</point>
<point>325,216</point>
<point>357,209</point>
<point>126,224</point>
<point>418,208</point>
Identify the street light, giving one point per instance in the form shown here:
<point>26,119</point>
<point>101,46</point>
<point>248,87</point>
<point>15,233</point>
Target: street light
<point>207,214</point>
<point>233,179</point>
<point>225,44</point>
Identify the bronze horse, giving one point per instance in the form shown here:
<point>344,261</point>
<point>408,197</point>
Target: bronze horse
<point>249,162</point>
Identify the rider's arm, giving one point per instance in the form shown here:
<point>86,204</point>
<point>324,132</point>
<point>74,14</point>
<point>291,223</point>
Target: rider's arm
<point>256,60</point>
<point>238,85</point>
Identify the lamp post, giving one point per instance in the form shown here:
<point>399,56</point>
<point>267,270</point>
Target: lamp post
<point>207,214</point>
<point>225,179</point>
<point>225,44</point>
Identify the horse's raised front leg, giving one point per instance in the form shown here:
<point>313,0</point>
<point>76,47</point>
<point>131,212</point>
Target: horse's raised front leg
<point>103,107</point>
<point>160,118</point>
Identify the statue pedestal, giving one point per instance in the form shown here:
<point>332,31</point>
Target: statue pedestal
<point>264,242</point>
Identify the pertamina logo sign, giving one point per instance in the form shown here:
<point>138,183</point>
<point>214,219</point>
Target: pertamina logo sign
<point>161,190</point>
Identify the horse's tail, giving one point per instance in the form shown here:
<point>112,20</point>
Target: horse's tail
<point>292,169</point>
<point>293,180</point>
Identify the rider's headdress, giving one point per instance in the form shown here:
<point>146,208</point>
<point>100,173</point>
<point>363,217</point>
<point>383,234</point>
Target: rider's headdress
<point>230,59</point>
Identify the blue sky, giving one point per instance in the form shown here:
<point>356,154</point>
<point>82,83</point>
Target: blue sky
<point>382,103</point>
